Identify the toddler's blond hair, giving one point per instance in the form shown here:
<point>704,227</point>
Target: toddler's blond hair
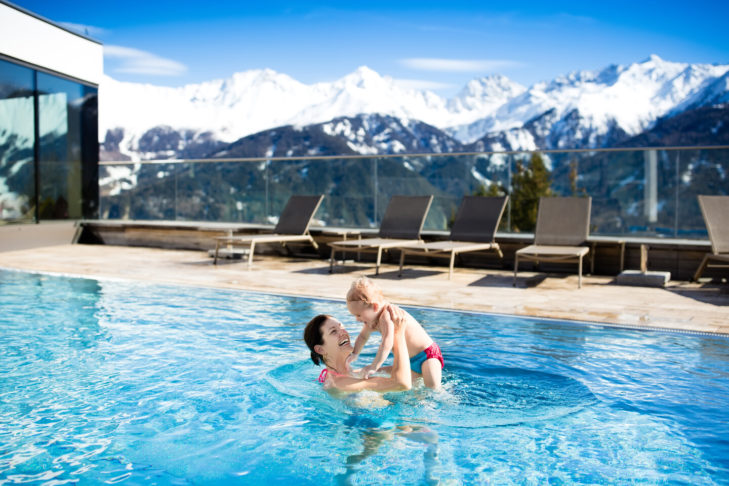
<point>364,290</point>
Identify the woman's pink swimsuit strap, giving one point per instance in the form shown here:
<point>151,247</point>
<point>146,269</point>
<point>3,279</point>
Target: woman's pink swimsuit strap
<point>323,375</point>
<point>325,372</point>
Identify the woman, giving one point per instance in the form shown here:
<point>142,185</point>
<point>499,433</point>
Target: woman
<point>329,343</point>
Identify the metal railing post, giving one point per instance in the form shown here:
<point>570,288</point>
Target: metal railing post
<point>175,194</point>
<point>509,160</point>
<point>678,187</point>
<point>266,207</point>
<point>375,189</point>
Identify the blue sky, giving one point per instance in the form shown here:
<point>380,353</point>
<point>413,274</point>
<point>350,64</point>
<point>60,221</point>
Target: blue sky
<point>435,45</point>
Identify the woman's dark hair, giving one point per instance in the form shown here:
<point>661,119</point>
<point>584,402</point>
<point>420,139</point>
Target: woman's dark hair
<point>313,336</point>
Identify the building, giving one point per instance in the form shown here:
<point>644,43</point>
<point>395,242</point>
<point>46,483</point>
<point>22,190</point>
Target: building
<point>49,149</point>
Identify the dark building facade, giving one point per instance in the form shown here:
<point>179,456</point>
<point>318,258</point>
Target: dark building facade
<point>49,150</point>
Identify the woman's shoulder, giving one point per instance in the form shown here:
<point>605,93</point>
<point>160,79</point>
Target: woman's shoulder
<point>329,378</point>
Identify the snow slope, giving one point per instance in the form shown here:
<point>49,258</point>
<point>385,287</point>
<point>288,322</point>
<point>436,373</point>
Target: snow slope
<point>584,108</point>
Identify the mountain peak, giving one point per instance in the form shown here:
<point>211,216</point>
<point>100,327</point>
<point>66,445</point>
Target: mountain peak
<point>363,77</point>
<point>365,71</point>
<point>494,82</point>
<point>658,63</point>
<point>265,75</point>
<point>493,89</point>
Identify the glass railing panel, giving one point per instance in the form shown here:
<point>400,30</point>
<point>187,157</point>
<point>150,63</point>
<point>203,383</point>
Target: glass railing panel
<point>349,187</point>
<point>447,177</point>
<point>155,198</point>
<point>616,183</point>
<point>405,176</point>
<point>638,192</point>
<point>116,183</point>
<point>222,191</point>
<point>138,191</point>
<point>698,172</point>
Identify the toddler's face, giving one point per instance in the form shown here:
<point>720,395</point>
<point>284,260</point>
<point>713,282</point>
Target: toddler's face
<point>363,312</point>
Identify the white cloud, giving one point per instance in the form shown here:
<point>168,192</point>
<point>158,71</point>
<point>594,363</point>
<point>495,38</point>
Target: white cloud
<point>457,65</point>
<point>422,84</point>
<point>135,61</point>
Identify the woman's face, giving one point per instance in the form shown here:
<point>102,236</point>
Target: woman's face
<point>336,339</point>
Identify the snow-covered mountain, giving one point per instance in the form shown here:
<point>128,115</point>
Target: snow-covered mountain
<point>254,101</point>
<point>362,134</point>
<point>581,109</point>
<point>596,108</point>
<point>704,126</point>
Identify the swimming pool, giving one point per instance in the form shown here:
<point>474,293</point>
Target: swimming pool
<point>132,383</point>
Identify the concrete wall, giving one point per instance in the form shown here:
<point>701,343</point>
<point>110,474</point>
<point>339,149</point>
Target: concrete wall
<point>26,236</point>
<point>29,38</point>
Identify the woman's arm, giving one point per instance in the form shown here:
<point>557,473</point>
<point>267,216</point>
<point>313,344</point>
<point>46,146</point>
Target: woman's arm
<point>388,341</point>
<point>401,358</point>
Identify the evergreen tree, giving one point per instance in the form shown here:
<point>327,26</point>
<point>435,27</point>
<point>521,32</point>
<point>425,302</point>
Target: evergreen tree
<point>528,185</point>
<point>575,190</point>
<point>493,189</point>
<point>573,177</point>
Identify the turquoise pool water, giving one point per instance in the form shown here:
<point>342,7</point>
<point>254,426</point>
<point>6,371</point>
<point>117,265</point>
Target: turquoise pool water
<point>121,382</point>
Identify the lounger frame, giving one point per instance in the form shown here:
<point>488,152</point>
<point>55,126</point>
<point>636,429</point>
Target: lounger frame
<point>401,225</point>
<point>474,229</point>
<point>563,225</point>
<point>293,226</point>
<point>715,210</point>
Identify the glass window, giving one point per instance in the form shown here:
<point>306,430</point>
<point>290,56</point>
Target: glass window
<point>60,114</point>
<point>49,149</point>
<point>17,174</point>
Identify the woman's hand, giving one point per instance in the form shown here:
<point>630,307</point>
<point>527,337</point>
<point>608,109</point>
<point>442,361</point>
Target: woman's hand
<point>395,315</point>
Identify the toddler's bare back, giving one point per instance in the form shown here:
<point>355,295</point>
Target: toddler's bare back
<point>416,337</point>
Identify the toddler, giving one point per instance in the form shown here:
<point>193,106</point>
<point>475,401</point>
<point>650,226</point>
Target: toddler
<point>366,302</point>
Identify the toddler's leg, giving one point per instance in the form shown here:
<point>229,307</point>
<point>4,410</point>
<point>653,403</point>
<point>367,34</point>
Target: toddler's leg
<point>432,373</point>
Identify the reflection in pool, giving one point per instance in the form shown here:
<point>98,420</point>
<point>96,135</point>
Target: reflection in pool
<point>122,382</point>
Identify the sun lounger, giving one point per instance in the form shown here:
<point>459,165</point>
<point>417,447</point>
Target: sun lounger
<point>716,216</point>
<point>401,225</point>
<point>563,224</point>
<point>473,230</point>
<point>293,226</point>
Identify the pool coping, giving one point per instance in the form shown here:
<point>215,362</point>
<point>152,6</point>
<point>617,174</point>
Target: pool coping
<point>681,306</point>
<point>576,322</point>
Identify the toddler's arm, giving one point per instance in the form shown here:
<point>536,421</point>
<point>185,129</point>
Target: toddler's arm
<point>359,343</point>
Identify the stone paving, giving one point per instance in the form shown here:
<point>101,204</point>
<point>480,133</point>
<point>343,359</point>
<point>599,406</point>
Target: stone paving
<point>686,306</point>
